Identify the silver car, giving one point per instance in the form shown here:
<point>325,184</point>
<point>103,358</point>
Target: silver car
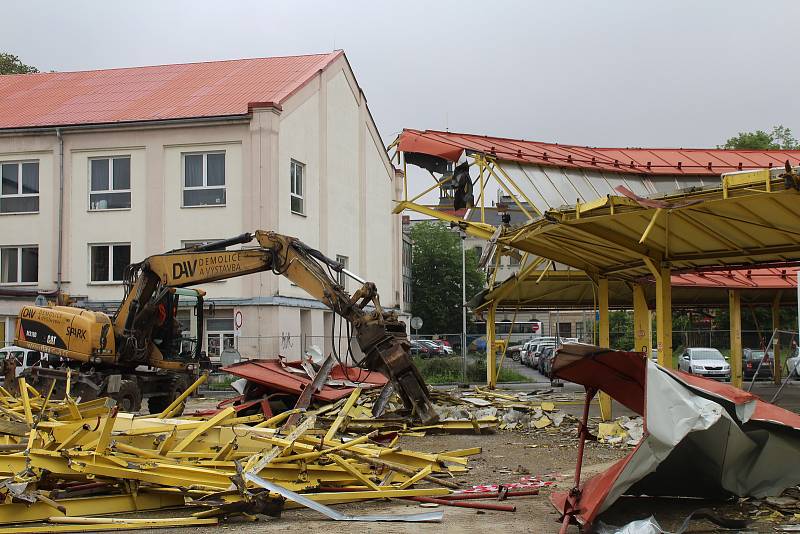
<point>705,362</point>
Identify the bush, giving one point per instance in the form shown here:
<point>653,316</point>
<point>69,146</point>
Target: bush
<point>437,371</point>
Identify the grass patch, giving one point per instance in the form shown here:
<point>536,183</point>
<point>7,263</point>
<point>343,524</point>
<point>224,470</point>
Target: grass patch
<point>437,371</point>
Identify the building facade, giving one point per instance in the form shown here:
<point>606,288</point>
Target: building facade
<point>103,168</point>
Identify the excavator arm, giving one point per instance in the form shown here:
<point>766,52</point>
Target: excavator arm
<point>380,335</point>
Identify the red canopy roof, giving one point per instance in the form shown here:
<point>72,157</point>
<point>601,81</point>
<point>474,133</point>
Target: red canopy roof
<point>768,278</point>
<point>212,89</point>
<point>688,161</point>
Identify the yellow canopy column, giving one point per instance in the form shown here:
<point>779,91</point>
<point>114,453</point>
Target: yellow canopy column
<point>642,338</point>
<point>662,275</point>
<point>605,339</point>
<point>735,304</point>
<point>491,354</point>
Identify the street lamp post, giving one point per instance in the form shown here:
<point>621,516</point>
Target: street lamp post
<point>463,305</point>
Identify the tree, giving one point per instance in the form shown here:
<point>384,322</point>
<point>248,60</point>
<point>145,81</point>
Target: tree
<point>436,272</point>
<point>779,138</point>
<point>11,64</point>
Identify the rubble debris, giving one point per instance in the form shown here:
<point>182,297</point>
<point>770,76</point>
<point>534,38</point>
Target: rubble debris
<point>723,440</point>
<point>74,459</point>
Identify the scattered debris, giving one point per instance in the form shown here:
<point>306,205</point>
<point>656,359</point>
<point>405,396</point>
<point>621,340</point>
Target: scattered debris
<point>73,459</point>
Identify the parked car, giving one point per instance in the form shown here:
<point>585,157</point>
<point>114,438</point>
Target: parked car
<point>524,353</point>
<point>540,348</point>
<point>419,349</point>
<point>546,360</point>
<point>751,358</point>
<point>25,358</point>
<point>434,349</point>
<point>705,362</point>
<point>444,346</point>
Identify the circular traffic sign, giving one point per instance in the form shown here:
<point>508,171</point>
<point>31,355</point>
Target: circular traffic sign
<point>416,323</point>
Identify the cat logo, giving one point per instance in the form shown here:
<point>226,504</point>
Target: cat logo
<point>183,269</point>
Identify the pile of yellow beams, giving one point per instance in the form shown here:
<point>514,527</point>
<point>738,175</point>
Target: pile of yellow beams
<point>63,460</point>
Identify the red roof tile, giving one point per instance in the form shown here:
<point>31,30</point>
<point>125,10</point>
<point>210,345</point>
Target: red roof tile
<point>688,161</point>
<point>212,89</point>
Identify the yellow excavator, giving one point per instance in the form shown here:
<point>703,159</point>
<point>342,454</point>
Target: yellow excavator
<point>140,351</point>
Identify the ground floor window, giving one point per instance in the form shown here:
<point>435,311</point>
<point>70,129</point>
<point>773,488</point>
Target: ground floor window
<point>220,333</point>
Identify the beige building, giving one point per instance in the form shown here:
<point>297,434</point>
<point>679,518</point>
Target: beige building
<point>101,168</point>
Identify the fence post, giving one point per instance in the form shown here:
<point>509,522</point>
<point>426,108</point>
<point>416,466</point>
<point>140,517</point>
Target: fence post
<point>777,364</point>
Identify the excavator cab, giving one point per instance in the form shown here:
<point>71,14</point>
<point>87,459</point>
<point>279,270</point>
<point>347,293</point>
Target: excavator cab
<point>173,339</point>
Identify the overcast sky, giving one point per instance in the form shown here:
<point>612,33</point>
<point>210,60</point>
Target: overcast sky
<point>620,73</point>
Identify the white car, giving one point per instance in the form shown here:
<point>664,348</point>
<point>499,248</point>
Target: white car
<point>705,362</point>
<point>25,357</point>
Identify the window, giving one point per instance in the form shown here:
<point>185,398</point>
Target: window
<point>341,278</point>
<point>204,179</point>
<point>108,262</point>
<point>19,265</point>
<point>20,189</point>
<point>220,333</point>
<point>297,174</point>
<point>110,183</point>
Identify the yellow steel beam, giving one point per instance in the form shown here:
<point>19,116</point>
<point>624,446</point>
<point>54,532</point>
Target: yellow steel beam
<point>11,513</point>
<point>214,421</point>
<point>735,304</point>
<point>518,188</point>
<point>605,339</point>
<point>642,338</point>
<point>650,225</point>
<point>340,419</point>
<point>175,405</point>
<point>491,356</point>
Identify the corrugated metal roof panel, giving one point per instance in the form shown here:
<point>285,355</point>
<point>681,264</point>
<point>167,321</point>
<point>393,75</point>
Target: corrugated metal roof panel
<point>642,161</point>
<point>212,89</point>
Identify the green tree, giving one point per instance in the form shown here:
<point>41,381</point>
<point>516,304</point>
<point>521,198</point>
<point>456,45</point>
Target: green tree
<point>11,64</point>
<point>779,138</point>
<point>436,272</point>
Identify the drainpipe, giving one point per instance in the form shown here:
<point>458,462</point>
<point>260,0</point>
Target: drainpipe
<point>60,251</point>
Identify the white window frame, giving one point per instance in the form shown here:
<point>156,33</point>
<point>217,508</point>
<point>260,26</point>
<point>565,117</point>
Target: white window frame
<point>110,263</point>
<point>205,178</point>
<point>293,164</point>
<point>221,334</point>
<point>19,265</point>
<point>111,189</point>
<point>19,193</point>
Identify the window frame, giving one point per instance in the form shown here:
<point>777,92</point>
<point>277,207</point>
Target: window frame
<point>110,246</point>
<point>205,185</point>
<point>293,164</point>
<point>19,193</point>
<point>19,281</point>
<point>110,160</point>
<point>221,334</point>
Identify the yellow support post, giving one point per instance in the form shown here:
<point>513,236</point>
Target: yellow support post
<point>642,339</point>
<point>170,410</point>
<point>605,340</point>
<point>663,274</point>
<point>491,356</point>
<point>777,362</point>
<point>735,305</point>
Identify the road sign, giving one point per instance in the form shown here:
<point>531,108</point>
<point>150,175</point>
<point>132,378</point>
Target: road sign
<point>416,323</point>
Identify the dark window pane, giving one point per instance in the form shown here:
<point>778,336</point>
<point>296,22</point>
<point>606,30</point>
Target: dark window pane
<point>204,197</point>
<point>122,258</point>
<point>297,204</point>
<point>122,173</point>
<point>8,265</point>
<point>30,264</point>
<point>216,169</point>
<point>30,178</point>
<point>100,264</point>
<point>19,204</point>
<point>99,175</point>
<point>109,201</point>
<point>219,324</point>
<point>10,173</point>
<point>193,164</point>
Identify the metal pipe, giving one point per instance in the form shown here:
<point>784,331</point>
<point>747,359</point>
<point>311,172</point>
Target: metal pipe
<point>488,495</point>
<point>60,251</point>
<point>582,434</point>
<point>466,504</point>
<point>463,304</point>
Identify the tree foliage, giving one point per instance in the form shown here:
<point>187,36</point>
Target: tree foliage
<point>11,64</point>
<point>436,273</point>
<point>779,138</point>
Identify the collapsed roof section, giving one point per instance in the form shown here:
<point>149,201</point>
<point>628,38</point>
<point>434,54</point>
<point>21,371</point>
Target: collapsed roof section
<point>724,440</point>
